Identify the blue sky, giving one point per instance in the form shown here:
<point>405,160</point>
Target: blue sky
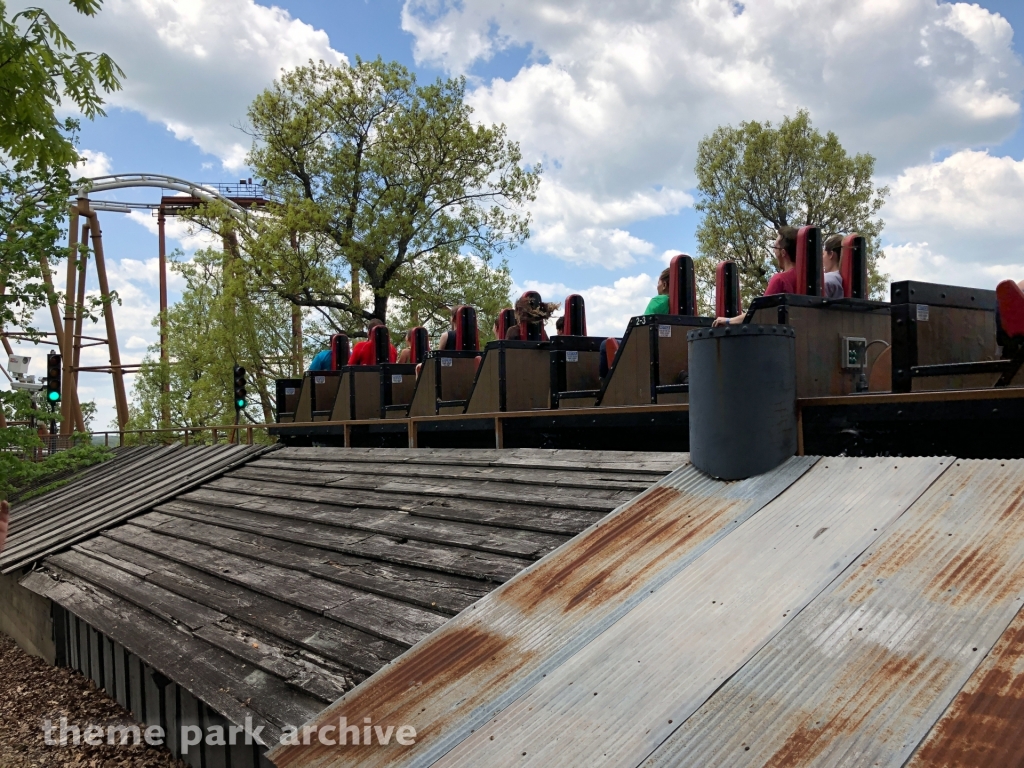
<point>612,97</point>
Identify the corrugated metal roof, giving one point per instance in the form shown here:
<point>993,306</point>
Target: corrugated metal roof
<point>453,682</point>
<point>860,676</point>
<point>135,480</point>
<point>272,590</point>
<point>871,614</point>
<point>623,694</point>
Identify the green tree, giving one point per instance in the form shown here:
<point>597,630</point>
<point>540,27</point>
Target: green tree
<point>20,443</point>
<point>757,178</point>
<point>383,190</point>
<point>221,321</point>
<point>40,71</point>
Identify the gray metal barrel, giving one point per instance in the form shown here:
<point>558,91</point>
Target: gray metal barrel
<point>742,399</point>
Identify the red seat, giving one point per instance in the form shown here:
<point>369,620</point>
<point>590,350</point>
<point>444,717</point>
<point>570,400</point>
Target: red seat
<point>611,348</point>
<point>810,272</point>
<point>727,289</point>
<point>506,319</point>
<point>1010,300</point>
<point>575,316</point>
<point>419,344</point>
<point>532,331</point>
<point>853,266</point>
<point>339,351</point>
<point>467,335</point>
<point>682,286</point>
<point>380,342</point>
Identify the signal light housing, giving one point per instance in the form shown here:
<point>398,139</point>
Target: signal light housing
<point>54,366</point>
<point>240,395</point>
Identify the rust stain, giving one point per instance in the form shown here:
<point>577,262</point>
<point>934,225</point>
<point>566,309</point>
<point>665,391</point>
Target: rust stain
<point>437,666</point>
<point>621,553</point>
<point>859,699</point>
<point>983,725</point>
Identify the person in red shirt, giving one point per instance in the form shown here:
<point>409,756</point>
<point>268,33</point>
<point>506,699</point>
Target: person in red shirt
<point>783,281</point>
<point>363,352</point>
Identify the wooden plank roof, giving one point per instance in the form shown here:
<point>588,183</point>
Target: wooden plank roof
<point>276,588</point>
<point>134,480</point>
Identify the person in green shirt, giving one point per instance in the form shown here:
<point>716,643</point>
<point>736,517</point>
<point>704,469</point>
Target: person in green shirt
<point>659,304</point>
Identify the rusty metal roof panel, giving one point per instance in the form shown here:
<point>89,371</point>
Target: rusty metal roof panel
<point>132,482</point>
<point>982,726</point>
<point>862,674</point>
<point>499,648</point>
<point>622,695</point>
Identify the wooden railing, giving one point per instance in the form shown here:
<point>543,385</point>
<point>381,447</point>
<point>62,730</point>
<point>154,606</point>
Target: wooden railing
<point>245,434</point>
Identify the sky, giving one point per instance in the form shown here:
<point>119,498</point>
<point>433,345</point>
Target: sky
<point>612,98</point>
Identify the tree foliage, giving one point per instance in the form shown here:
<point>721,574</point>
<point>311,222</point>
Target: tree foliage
<point>40,72</point>
<point>383,190</point>
<point>221,321</point>
<point>21,442</point>
<point>757,178</point>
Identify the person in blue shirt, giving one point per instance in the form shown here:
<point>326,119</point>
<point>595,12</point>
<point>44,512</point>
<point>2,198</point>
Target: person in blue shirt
<point>322,361</point>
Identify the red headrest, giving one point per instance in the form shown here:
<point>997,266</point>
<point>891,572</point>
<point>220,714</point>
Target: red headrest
<point>682,286</point>
<point>854,266</point>
<point>532,331</point>
<point>506,319</point>
<point>575,316</point>
<point>381,342</point>
<point>339,351</point>
<point>419,345</point>
<point>611,347</point>
<point>467,335</point>
<point>1010,300</point>
<point>727,289</point>
<point>810,274</point>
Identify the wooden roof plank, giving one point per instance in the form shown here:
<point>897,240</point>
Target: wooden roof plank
<point>486,538</point>
<point>545,477</point>
<point>428,589</point>
<point>304,628</point>
<point>383,617</point>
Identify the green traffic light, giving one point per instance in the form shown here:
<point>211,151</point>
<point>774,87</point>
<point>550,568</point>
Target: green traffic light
<point>53,396</point>
<point>240,404</point>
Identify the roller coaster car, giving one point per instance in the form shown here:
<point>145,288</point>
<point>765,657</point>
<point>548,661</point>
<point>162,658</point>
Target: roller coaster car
<point>316,396</point>
<point>838,341</point>
<point>651,365</point>
<point>374,391</point>
<point>948,337</point>
<point>445,382</point>
<point>287,391</point>
<point>446,375</point>
<point>540,373</point>
<point>531,375</point>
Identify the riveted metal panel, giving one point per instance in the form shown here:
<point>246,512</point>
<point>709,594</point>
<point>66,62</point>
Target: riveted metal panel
<point>622,695</point>
<point>451,683</point>
<point>863,673</point>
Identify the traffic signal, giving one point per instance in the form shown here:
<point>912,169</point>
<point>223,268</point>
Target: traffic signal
<point>239,387</point>
<point>53,371</point>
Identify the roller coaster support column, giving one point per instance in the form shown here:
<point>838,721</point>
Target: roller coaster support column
<point>116,371</point>
<point>165,368</point>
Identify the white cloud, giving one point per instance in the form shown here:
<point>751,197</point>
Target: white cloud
<point>92,164</point>
<point>968,208</point>
<point>616,94</point>
<point>195,66</point>
<point>967,195</point>
<point>918,261</point>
